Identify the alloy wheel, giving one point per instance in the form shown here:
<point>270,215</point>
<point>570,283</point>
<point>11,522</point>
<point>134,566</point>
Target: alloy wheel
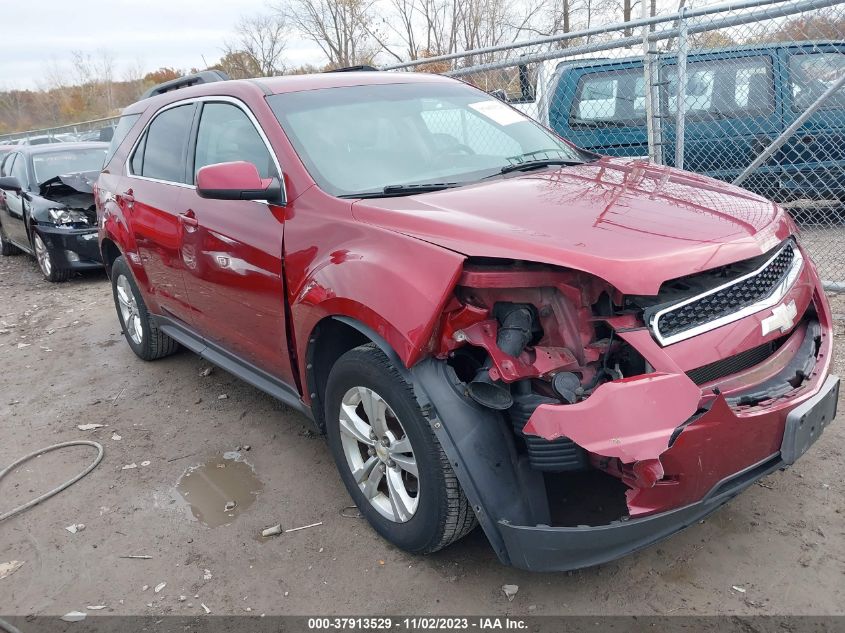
<point>42,255</point>
<point>129,310</point>
<point>379,454</point>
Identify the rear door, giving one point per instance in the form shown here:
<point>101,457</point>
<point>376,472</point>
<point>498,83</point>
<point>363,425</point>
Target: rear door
<point>602,108</point>
<point>732,112</point>
<point>152,200</point>
<point>813,159</point>
<point>234,271</point>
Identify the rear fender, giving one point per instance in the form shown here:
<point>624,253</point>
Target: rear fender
<point>114,227</point>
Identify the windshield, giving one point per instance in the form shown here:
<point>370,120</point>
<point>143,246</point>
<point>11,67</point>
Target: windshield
<point>51,164</point>
<point>361,139</point>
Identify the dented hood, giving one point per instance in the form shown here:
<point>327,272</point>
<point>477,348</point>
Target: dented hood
<point>82,182</point>
<point>633,224</point>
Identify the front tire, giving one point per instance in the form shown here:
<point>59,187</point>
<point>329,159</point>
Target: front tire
<point>388,456</point>
<point>141,332</point>
<point>51,270</point>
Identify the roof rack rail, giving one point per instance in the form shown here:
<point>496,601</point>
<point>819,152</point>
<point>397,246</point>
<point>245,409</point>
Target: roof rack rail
<point>204,77</point>
<point>352,69</point>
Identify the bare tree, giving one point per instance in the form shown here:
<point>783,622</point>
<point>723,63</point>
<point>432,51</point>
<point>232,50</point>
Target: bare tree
<point>258,45</point>
<point>427,28</point>
<point>343,29</point>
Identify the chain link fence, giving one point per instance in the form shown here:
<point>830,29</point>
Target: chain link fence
<point>95,130</point>
<point>746,92</point>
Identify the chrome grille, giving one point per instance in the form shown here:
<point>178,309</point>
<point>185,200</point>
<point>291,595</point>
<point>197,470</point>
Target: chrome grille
<point>755,291</point>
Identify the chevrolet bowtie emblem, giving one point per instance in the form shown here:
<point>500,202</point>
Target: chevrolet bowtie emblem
<point>783,317</point>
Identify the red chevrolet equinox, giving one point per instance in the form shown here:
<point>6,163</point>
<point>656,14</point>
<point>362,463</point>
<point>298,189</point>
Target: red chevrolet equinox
<point>583,354</point>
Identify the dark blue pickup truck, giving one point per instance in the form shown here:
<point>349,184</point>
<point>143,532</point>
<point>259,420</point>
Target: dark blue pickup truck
<point>737,101</point>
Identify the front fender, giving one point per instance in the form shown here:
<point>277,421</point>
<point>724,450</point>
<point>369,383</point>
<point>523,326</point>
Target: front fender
<point>393,284</point>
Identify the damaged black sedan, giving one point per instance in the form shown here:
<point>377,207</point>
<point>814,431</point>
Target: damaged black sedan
<point>47,206</point>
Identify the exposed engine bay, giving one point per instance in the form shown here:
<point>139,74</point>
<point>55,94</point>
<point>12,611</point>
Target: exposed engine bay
<point>538,343</point>
<point>74,196</point>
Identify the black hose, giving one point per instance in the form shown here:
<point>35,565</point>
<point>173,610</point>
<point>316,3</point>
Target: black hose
<point>515,331</point>
<point>8,627</point>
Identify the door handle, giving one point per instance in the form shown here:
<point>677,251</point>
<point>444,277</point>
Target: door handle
<point>189,219</point>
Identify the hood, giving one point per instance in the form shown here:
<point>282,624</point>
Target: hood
<point>631,223</point>
<point>81,182</point>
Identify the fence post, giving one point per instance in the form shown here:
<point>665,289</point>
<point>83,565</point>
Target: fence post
<point>652,103</point>
<point>681,96</point>
<point>789,131</point>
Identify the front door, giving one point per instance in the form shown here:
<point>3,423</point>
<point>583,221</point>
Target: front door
<point>14,224</point>
<point>234,274</point>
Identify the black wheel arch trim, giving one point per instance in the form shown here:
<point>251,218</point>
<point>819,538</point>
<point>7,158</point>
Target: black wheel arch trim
<point>503,490</point>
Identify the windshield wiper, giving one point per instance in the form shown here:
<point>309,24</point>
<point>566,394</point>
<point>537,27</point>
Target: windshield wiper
<point>404,190</point>
<point>528,165</point>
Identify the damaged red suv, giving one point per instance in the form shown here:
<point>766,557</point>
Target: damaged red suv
<point>583,354</point>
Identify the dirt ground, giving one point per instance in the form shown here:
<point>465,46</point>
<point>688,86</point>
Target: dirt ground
<point>777,549</point>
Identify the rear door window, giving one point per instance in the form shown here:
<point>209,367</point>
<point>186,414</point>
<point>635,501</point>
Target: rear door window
<point>163,149</point>
<point>613,97</point>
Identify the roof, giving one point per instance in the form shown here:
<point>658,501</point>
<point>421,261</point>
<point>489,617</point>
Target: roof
<point>578,62</point>
<point>296,83</point>
<point>287,83</point>
<point>47,148</point>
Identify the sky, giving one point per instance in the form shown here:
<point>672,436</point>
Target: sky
<point>149,33</point>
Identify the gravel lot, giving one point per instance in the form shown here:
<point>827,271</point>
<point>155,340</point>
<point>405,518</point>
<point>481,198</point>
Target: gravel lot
<point>65,363</point>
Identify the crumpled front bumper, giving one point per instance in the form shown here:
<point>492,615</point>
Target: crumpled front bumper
<point>683,449</point>
<point>543,548</point>
<point>77,249</point>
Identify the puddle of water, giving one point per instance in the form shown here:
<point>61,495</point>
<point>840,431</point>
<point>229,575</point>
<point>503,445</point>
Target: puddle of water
<point>219,489</point>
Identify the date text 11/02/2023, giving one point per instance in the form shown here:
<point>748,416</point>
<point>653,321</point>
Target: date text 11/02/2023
<point>423,623</point>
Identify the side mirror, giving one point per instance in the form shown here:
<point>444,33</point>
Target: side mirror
<point>10,183</point>
<point>237,180</point>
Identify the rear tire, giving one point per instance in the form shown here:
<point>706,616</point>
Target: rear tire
<point>141,332</point>
<point>379,438</point>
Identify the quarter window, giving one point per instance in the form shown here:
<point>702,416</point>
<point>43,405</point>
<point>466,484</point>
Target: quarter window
<point>161,154</point>
<point>120,132</point>
<point>6,166</point>
<point>226,134</point>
